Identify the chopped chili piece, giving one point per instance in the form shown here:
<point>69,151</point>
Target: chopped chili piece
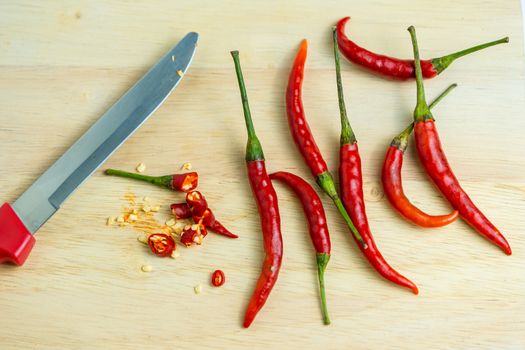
<point>193,234</point>
<point>196,202</point>
<point>218,278</point>
<point>180,210</point>
<point>178,182</point>
<point>202,214</point>
<point>432,156</point>
<point>161,244</point>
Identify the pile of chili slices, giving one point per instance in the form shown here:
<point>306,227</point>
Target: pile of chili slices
<point>162,238</point>
<point>349,199</point>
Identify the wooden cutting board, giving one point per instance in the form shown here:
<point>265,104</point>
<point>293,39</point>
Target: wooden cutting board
<point>62,64</point>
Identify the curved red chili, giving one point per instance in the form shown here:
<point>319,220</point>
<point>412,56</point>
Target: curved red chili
<point>177,182</point>
<point>305,141</point>
<point>351,182</point>
<point>435,162</point>
<point>314,211</point>
<point>393,185</point>
<point>395,68</point>
<point>161,244</point>
<point>268,207</point>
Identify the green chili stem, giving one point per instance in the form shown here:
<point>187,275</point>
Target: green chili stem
<point>253,148</point>
<point>163,181</point>
<point>347,134</point>
<point>421,112</point>
<point>443,94</point>
<point>441,63</point>
<point>326,182</point>
<point>401,140</point>
<point>322,262</point>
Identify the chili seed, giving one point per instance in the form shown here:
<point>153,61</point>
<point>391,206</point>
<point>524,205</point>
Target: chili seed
<point>146,268</point>
<point>197,289</point>
<point>141,168</point>
<point>142,239</point>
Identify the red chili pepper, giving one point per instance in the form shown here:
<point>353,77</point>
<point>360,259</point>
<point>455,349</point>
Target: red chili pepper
<point>202,214</point>
<point>314,211</point>
<point>435,162</point>
<point>161,244</point>
<point>393,186</point>
<point>193,234</point>
<point>178,182</point>
<point>351,182</point>
<point>268,207</point>
<point>218,278</point>
<point>395,68</point>
<point>304,139</point>
<point>180,210</point>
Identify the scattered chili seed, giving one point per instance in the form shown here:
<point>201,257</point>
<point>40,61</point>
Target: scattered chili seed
<point>142,239</point>
<point>146,268</point>
<point>197,289</point>
<point>141,168</point>
<point>180,73</point>
<point>217,278</point>
<point>186,166</point>
<point>110,221</point>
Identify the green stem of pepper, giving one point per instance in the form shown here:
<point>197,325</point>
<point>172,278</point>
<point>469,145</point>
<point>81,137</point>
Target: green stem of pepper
<point>441,63</point>
<point>347,134</point>
<point>253,148</point>
<point>401,140</point>
<point>322,261</point>
<point>421,112</point>
<point>326,182</point>
<point>163,181</point>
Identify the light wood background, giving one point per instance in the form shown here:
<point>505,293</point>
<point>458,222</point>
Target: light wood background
<point>63,63</point>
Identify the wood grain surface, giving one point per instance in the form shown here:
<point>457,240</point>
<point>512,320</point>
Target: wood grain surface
<point>63,63</point>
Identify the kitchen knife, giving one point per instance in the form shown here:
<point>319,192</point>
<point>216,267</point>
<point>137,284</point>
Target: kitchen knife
<point>18,223</point>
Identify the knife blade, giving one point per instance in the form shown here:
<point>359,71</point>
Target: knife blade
<point>45,196</point>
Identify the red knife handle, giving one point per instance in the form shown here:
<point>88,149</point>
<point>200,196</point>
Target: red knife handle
<point>16,241</point>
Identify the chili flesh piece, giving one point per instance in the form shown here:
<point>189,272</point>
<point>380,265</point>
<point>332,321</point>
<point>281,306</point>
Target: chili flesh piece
<point>267,205</point>
<point>202,214</point>
<point>193,234</point>
<point>180,210</point>
<point>351,183</point>
<point>435,163</point>
<point>161,244</point>
<point>395,68</point>
<point>218,278</point>
<point>317,225</point>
